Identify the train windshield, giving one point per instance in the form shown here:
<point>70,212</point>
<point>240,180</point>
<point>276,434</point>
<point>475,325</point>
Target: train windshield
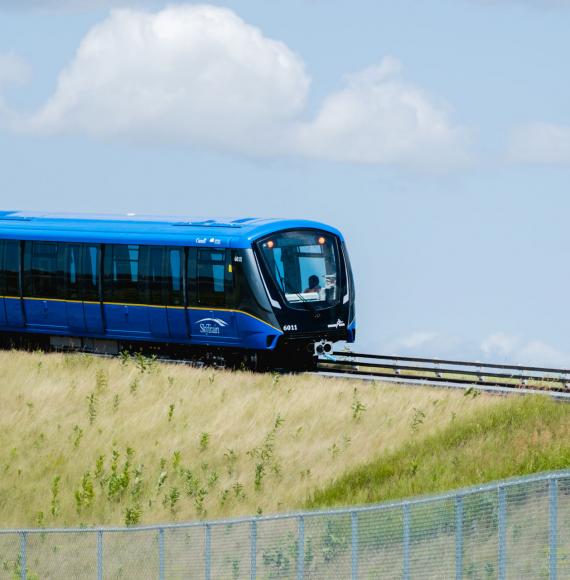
<point>305,266</point>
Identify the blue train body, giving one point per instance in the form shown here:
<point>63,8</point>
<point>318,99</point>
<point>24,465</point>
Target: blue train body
<point>242,284</point>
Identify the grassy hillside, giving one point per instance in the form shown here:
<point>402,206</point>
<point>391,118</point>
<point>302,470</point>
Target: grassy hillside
<point>525,436</point>
<point>90,441</point>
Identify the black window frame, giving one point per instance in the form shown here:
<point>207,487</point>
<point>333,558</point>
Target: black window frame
<point>116,288</point>
<point>154,284</point>
<point>82,283</point>
<point>43,270</point>
<point>89,281</point>
<point>201,288</point>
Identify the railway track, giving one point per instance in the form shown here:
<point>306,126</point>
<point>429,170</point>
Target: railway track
<point>497,378</point>
<point>489,377</point>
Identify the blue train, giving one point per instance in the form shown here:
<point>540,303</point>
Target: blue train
<point>250,290</point>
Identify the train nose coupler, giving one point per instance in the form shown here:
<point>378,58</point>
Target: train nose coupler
<point>323,347</point>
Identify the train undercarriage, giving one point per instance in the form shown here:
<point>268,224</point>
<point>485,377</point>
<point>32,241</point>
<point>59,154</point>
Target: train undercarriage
<point>299,356</point>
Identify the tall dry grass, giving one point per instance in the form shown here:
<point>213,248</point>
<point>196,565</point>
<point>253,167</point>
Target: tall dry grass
<point>85,440</point>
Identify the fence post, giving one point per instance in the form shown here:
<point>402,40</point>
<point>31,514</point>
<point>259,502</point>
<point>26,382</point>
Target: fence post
<point>301,550</point>
<point>161,553</point>
<point>23,555</point>
<point>406,547</point>
<point>253,550</point>
<point>208,550</point>
<point>100,555</point>
<point>553,529</point>
<point>459,537</point>
<point>354,521</point>
<point>502,532</point>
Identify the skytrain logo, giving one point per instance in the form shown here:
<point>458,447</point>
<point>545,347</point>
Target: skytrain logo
<point>211,326</point>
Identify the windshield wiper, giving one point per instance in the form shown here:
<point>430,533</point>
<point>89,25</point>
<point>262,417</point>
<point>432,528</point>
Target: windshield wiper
<point>285,283</point>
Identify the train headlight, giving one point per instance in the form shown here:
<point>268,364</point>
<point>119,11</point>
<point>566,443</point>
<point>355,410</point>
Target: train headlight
<point>323,347</point>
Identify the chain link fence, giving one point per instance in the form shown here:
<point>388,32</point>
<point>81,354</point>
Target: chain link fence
<point>511,529</point>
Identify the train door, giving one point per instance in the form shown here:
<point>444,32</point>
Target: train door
<point>91,275</point>
<point>177,322</point>
<point>125,313</point>
<point>210,283</point>
<point>2,284</point>
<point>154,275</point>
<point>44,308</point>
<point>13,313</point>
<point>72,288</point>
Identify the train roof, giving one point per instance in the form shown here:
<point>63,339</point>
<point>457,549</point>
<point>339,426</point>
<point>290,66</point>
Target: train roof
<point>146,229</point>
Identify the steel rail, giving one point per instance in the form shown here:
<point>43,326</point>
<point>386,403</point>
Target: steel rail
<point>458,376</point>
<point>445,380</point>
<point>351,365</point>
<point>437,361</point>
<point>439,371</point>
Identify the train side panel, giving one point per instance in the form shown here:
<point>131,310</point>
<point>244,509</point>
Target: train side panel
<point>211,327</point>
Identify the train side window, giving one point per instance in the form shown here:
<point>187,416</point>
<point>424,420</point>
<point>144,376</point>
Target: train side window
<point>121,274</point>
<point>90,272</point>
<point>214,278</point>
<point>43,270</point>
<point>72,271</point>
<point>153,275</point>
<point>175,289</point>
<point>9,268</point>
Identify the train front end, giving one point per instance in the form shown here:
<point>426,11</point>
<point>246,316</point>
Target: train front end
<point>310,285</point>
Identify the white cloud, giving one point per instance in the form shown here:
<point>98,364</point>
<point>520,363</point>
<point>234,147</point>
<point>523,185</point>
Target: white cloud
<point>504,347</point>
<point>541,144</point>
<point>195,74</point>
<point>541,353</point>
<point>200,75</point>
<point>499,345</point>
<point>377,118</point>
<point>423,343</point>
<point>416,340</point>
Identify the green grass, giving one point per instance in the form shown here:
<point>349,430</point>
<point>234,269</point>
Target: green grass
<point>523,436</point>
<point>91,441</point>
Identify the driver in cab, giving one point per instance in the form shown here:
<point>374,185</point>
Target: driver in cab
<point>314,285</point>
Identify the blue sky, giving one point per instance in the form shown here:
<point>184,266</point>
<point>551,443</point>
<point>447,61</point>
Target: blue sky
<point>436,135</point>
